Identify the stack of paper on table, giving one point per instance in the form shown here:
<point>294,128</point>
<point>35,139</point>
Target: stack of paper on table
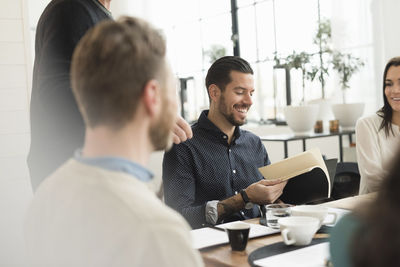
<point>312,256</point>
<point>207,237</point>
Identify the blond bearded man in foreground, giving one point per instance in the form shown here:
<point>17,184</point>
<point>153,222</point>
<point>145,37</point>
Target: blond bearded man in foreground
<point>96,209</point>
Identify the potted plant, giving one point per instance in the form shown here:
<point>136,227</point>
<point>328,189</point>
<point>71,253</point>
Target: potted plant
<point>320,68</point>
<point>322,39</point>
<point>215,52</point>
<point>346,66</point>
<point>301,119</point>
<point>299,61</point>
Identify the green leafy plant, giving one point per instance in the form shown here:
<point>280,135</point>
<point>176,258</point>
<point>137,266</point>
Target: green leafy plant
<point>322,38</point>
<point>346,65</point>
<point>299,61</point>
<point>215,52</point>
<point>323,35</point>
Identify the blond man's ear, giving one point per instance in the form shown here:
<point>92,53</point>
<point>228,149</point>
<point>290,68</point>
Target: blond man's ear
<point>151,98</point>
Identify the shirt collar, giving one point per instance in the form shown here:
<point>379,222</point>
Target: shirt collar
<point>116,164</point>
<point>206,124</point>
<point>100,5</point>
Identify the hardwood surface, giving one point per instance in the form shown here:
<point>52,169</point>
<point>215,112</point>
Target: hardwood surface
<point>350,203</point>
<point>223,256</point>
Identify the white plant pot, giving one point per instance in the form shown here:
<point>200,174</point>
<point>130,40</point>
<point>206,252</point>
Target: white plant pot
<point>348,114</point>
<point>301,119</point>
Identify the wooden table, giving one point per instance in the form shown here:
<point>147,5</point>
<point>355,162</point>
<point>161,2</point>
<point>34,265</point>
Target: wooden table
<point>350,203</point>
<point>222,255</point>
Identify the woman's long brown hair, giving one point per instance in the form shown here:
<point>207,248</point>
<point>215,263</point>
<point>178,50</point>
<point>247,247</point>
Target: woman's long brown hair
<point>386,111</point>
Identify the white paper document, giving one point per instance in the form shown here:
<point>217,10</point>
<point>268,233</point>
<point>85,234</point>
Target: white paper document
<point>207,237</point>
<point>256,230</point>
<point>312,256</point>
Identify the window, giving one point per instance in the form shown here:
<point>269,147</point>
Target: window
<point>266,27</point>
<point>192,28</point>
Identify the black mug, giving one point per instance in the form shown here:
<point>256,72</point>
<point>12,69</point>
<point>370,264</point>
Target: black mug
<point>238,234</point>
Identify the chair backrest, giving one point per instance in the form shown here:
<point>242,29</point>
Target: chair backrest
<point>347,180</point>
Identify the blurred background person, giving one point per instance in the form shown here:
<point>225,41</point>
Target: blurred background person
<point>370,237</point>
<point>57,127</point>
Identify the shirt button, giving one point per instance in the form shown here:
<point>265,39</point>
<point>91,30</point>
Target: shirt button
<point>225,137</point>
<point>236,192</point>
<point>230,150</point>
<point>234,171</point>
<point>242,213</point>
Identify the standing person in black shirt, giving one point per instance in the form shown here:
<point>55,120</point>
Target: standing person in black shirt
<point>214,177</point>
<point>57,127</point>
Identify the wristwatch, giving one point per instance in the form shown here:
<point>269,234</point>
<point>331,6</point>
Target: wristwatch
<point>247,204</point>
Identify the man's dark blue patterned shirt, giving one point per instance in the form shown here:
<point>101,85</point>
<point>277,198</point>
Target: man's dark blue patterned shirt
<point>207,168</point>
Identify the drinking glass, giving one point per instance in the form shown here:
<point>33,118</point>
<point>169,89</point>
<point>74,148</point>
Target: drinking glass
<point>276,211</point>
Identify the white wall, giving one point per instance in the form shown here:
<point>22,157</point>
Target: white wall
<point>385,14</point>
<point>15,79</point>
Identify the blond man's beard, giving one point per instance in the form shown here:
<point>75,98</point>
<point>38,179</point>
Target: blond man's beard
<point>161,130</point>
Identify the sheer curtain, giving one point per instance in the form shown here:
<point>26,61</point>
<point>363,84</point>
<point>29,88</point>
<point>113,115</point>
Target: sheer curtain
<point>386,37</point>
<point>369,29</point>
<point>352,33</point>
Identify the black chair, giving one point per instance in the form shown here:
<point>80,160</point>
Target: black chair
<point>347,180</point>
<point>331,165</point>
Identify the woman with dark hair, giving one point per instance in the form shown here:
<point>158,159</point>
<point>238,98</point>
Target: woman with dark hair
<point>378,134</point>
<point>370,237</point>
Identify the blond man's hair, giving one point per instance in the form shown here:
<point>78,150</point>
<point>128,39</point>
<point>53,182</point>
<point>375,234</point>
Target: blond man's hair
<point>110,67</point>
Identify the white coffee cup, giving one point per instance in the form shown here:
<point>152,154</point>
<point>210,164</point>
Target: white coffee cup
<point>318,212</point>
<point>298,230</point>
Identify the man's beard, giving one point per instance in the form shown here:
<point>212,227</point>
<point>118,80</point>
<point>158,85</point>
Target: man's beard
<point>161,130</point>
<point>223,109</point>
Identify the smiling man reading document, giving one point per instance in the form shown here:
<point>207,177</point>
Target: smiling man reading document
<point>214,177</point>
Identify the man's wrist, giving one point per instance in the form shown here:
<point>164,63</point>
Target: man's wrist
<point>247,203</point>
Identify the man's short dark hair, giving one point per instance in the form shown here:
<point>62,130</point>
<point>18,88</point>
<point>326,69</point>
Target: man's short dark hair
<point>219,72</point>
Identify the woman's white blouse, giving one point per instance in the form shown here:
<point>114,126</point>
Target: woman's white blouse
<point>375,152</point>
